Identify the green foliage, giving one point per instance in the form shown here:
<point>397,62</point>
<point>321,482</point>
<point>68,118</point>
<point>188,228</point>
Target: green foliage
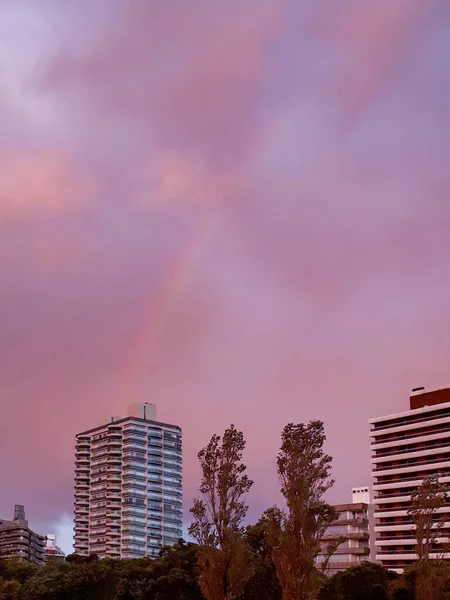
<point>400,589</point>
<point>263,585</point>
<point>367,581</point>
<point>16,569</point>
<point>437,582</point>
<point>171,576</point>
<point>9,590</point>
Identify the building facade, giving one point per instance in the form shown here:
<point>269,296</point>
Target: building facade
<point>407,447</point>
<point>17,540</point>
<point>128,486</point>
<point>351,529</point>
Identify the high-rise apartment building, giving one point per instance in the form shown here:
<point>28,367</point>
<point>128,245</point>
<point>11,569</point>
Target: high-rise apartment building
<point>407,447</point>
<point>128,486</point>
<point>351,529</point>
<point>17,540</point>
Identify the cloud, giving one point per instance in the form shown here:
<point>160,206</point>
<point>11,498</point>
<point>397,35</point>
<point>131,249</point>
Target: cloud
<point>44,181</point>
<point>186,82</point>
<point>194,72</point>
<point>63,529</point>
<point>171,177</point>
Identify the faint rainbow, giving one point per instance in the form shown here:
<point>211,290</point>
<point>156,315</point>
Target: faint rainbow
<point>170,292</point>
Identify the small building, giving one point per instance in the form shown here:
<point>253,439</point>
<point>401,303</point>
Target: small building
<point>351,532</point>
<point>17,540</point>
<point>53,553</point>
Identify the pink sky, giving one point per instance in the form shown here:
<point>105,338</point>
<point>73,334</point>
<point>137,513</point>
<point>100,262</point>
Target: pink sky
<point>236,210</point>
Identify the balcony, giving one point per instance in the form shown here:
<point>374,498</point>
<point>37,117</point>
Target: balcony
<point>414,464</point>
<point>402,456</point>
<point>82,501</point>
<point>412,438</point>
<point>82,482</point>
<point>114,469</point>
<point>82,452</point>
<point>416,468</point>
<point>406,540</point>
<point>114,534</point>
<point>404,513</point>
<point>412,482</point>
<point>360,536</point>
<point>133,441</point>
<point>392,498</point>
<point>411,424</point>
<point>409,556</point>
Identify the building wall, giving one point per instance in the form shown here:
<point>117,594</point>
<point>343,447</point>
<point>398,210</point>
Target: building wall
<point>352,527</point>
<point>407,447</point>
<point>128,492</point>
<point>364,494</point>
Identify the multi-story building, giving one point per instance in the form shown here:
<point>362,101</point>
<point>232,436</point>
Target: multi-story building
<point>351,529</point>
<point>52,552</point>
<point>407,447</point>
<point>128,486</point>
<point>17,540</point>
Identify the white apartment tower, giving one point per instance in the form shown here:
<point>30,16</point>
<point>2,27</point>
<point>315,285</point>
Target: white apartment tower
<point>128,486</point>
<point>406,447</point>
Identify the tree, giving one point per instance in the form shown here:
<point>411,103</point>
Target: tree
<point>48,584</point>
<point>16,569</point>
<point>224,559</point>
<point>404,588</point>
<point>180,564</point>
<point>426,502</point>
<point>9,589</point>
<point>366,581</point>
<point>263,585</point>
<point>295,535</point>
